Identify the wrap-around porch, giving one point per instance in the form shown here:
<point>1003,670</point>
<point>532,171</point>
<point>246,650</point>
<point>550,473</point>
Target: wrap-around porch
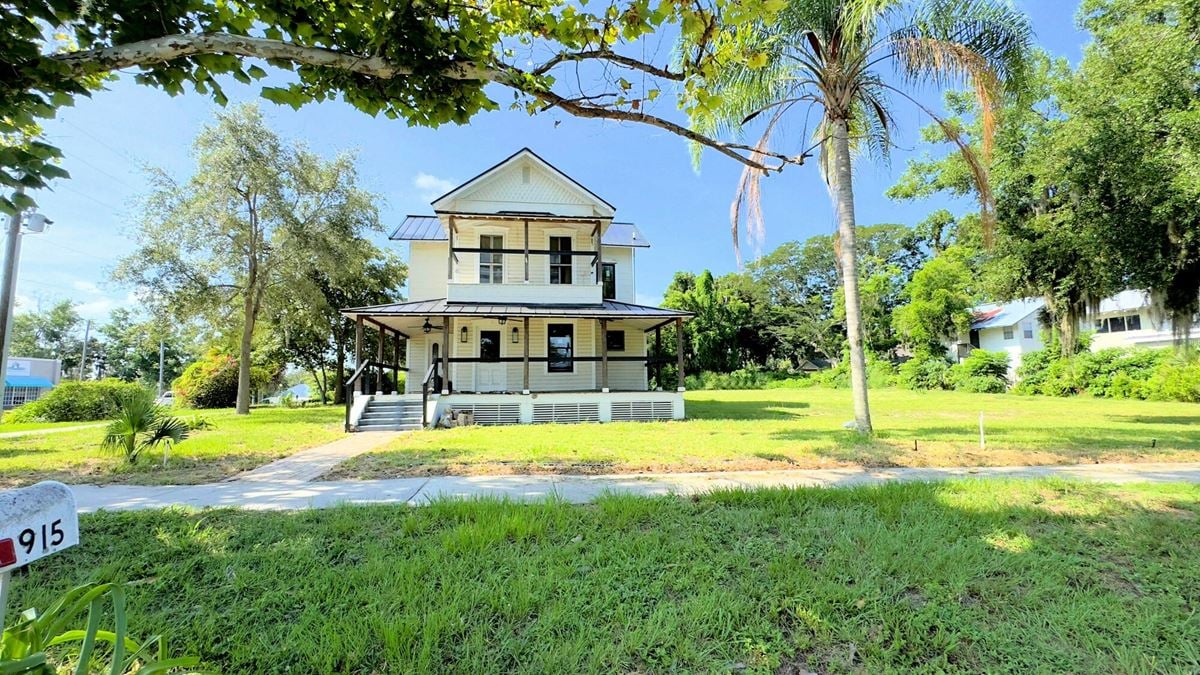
<point>473,356</point>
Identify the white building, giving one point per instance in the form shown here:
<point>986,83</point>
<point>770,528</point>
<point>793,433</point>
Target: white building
<point>521,310</point>
<point>1124,320</point>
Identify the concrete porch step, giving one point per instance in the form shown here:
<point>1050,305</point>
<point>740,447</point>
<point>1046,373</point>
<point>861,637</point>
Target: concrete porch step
<point>387,427</point>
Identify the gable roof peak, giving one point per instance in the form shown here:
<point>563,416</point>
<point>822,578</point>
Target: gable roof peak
<point>526,154</point>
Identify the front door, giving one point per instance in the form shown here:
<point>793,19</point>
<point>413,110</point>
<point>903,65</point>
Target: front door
<point>490,371</point>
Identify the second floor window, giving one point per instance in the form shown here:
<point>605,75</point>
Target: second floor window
<point>609,277</point>
<point>491,265</point>
<point>560,263</point>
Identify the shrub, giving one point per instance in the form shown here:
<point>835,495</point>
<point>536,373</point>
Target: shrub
<point>140,425</point>
<point>1176,379</point>
<point>744,378</point>
<point>73,401</point>
<point>923,372</point>
<point>982,372</point>
<point>212,381</point>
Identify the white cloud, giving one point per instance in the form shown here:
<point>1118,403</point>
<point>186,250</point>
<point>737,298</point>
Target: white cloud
<point>431,187</point>
<point>87,287</point>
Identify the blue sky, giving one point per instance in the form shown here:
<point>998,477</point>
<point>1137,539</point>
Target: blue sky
<point>645,172</point>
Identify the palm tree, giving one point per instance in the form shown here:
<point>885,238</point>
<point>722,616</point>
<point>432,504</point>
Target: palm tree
<point>828,55</point>
<point>141,424</point>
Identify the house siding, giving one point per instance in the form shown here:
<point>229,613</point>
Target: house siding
<point>622,375</point>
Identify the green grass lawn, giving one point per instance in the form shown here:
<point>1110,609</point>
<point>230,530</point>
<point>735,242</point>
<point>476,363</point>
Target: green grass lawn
<point>802,428</point>
<point>996,576</point>
<point>234,444</point>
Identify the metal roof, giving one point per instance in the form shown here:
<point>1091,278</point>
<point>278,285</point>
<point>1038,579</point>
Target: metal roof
<point>1002,315</point>
<point>1125,301</point>
<point>419,228</point>
<point>429,228</point>
<point>610,309</point>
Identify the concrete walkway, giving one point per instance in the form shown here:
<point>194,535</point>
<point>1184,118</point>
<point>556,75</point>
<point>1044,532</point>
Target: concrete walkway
<point>51,430</point>
<point>308,465</point>
<point>283,495</point>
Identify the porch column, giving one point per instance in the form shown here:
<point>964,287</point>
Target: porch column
<point>445,355</point>
<point>679,354</point>
<point>526,270</point>
<point>396,362</point>
<point>525,362</point>
<point>604,355</point>
<point>379,361</point>
<point>450,251</point>
<point>599,258</point>
<point>658,357</point>
<point>358,347</point>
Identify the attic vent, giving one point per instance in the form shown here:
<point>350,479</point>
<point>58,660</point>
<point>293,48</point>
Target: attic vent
<point>525,175</point>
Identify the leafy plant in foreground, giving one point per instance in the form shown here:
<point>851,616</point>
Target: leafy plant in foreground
<point>23,645</point>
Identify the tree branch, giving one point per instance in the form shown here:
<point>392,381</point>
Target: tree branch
<point>147,53</point>
<point>606,55</point>
<point>171,47</point>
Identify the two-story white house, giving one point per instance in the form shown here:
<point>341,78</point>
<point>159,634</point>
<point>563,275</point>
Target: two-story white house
<point>520,310</point>
<point>1123,320</point>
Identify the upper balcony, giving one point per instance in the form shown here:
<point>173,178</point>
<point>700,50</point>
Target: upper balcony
<point>521,258</point>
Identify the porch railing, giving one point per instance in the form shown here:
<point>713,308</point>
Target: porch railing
<point>362,378</point>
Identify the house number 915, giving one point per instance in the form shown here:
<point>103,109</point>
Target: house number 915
<point>29,536</point>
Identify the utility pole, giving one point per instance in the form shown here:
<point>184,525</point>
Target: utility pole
<point>87,333</point>
<point>36,222</point>
<point>12,249</point>
<point>161,350</point>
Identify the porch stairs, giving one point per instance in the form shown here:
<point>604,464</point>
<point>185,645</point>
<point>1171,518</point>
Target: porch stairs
<point>390,415</point>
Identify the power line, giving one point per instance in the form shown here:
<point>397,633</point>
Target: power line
<point>123,153</point>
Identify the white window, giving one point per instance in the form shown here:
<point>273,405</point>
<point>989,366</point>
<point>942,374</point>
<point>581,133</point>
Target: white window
<point>1027,330</point>
<point>491,265</point>
<point>1008,332</point>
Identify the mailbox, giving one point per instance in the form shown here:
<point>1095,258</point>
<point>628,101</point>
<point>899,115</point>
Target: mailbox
<point>35,522</point>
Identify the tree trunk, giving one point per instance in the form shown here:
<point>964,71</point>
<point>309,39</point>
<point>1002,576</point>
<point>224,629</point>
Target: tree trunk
<point>848,257</point>
<point>339,382</point>
<point>243,390</point>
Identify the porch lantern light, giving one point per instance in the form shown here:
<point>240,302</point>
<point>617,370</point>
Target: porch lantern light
<point>462,335</point>
<point>516,339</point>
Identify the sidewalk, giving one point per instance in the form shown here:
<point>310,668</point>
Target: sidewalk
<point>51,430</point>
<point>308,465</point>
<point>286,494</point>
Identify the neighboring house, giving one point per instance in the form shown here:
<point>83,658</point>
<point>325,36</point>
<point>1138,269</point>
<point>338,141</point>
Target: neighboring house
<point>1124,320</point>
<point>299,392</point>
<point>521,309</point>
<point>28,379</point>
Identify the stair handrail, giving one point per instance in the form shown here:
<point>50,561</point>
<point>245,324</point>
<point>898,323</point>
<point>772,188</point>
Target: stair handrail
<point>360,372</point>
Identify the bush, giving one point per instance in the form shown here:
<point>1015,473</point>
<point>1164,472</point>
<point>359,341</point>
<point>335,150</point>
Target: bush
<point>744,378</point>
<point>212,382</point>
<point>982,372</point>
<point>1109,373</point>
<point>880,374</point>
<point>924,372</point>
<point>1175,379</point>
<point>73,401</point>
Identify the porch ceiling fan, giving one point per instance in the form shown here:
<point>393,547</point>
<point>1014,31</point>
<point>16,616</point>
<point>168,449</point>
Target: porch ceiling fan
<point>428,327</point>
